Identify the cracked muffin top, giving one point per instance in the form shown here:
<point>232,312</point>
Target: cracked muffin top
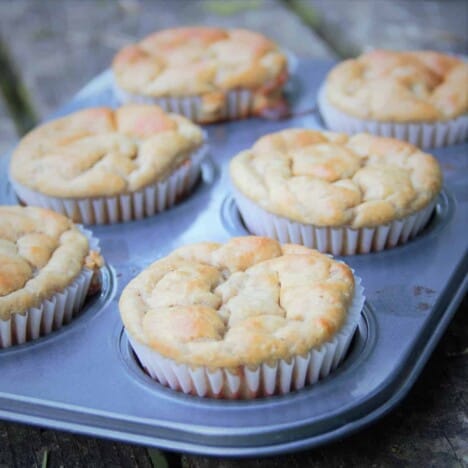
<point>200,60</point>
<point>402,87</point>
<point>248,301</point>
<point>104,152</point>
<point>331,179</point>
<point>41,253</point>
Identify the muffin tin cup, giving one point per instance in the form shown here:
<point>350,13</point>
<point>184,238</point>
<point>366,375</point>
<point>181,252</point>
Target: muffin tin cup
<point>53,312</point>
<point>145,202</point>
<point>425,134</point>
<point>337,241</point>
<point>238,104</point>
<point>248,382</point>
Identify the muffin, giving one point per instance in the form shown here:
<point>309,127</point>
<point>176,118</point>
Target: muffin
<point>333,192</point>
<point>207,74</point>
<point>48,266</point>
<point>244,319</point>
<point>102,165</point>
<point>420,97</point>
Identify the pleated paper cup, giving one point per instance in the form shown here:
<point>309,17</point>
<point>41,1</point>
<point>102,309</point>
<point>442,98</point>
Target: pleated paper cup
<point>337,241</point>
<point>237,105</point>
<point>423,135</point>
<point>52,313</point>
<point>147,201</point>
<point>248,382</point>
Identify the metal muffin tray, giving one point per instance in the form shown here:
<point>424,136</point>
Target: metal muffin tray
<point>84,378</point>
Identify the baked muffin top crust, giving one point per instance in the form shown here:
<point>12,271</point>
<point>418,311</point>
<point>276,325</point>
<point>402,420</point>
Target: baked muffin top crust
<point>401,87</point>
<point>41,253</point>
<point>245,302</point>
<point>104,152</point>
<point>331,179</point>
<point>200,60</point>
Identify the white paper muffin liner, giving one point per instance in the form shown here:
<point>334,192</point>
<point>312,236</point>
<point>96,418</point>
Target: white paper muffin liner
<point>52,313</point>
<point>337,241</point>
<point>238,104</point>
<point>145,202</point>
<point>247,382</point>
<point>425,134</point>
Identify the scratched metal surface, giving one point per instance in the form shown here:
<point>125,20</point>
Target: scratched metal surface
<point>84,378</point>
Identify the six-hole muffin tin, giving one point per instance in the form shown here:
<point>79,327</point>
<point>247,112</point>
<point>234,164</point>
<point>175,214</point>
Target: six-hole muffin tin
<point>85,378</point>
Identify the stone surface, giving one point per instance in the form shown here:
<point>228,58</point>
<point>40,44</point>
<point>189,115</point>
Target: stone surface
<point>352,26</point>
<point>8,134</point>
<point>24,446</point>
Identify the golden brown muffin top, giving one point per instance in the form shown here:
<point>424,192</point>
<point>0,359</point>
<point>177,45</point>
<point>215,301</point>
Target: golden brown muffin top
<point>104,152</point>
<point>199,60</point>
<point>248,301</point>
<point>331,179</point>
<point>41,253</point>
<point>395,86</point>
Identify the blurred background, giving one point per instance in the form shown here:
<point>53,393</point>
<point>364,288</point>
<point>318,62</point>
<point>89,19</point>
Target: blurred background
<point>49,49</point>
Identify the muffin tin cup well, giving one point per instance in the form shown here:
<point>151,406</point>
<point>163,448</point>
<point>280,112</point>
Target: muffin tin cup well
<point>247,382</point>
<point>237,105</point>
<point>148,201</point>
<point>337,241</point>
<point>425,134</point>
<point>53,312</point>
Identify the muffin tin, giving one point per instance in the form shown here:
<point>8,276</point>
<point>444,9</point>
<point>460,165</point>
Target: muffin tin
<point>85,378</point>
